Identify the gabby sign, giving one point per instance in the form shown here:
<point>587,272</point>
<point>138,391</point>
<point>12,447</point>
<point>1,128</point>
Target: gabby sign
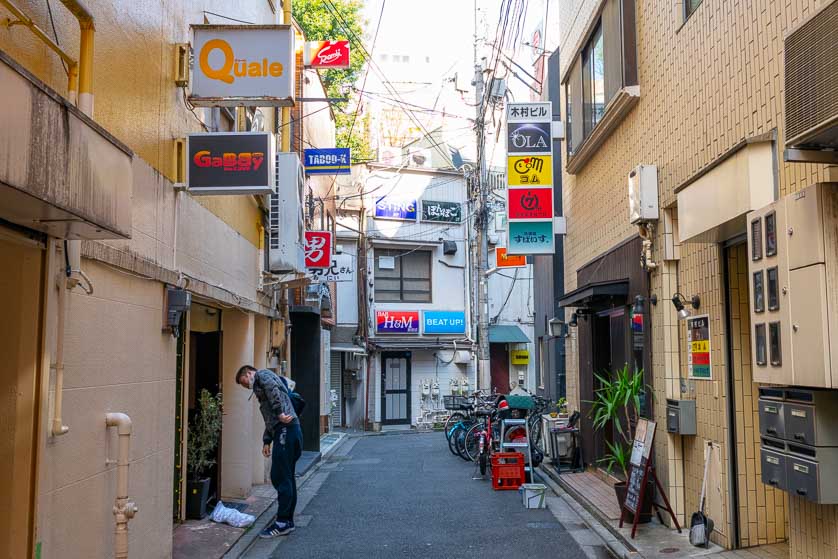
<point>230,163</point>
<point>243,65</point>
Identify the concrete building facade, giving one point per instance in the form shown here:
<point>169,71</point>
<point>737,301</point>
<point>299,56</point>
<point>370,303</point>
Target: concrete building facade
<point>695,89</point>
<point>58,490</point>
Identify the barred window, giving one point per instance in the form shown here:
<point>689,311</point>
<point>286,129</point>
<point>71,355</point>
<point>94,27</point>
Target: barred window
<point>404,277</point>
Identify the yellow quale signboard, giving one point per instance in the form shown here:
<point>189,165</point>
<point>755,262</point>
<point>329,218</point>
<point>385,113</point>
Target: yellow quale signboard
<point>243,65</point>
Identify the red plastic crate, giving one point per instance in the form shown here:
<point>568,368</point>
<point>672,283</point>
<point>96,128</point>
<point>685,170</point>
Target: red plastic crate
<point>508,471</point>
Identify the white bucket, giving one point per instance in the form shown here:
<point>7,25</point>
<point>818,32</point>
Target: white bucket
<point>534,495</point>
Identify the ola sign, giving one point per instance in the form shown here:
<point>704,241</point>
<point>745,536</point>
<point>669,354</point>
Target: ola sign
<point>251,65</point>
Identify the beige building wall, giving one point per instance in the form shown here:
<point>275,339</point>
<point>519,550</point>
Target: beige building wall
<point>705,85</point>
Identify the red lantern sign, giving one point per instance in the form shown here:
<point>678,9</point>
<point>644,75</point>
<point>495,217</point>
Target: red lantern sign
<point>318,249</point>
<point>327,54</point>
<point>530,203</point>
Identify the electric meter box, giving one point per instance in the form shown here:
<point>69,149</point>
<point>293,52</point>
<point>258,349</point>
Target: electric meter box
<point>643,194</point>
<point>680,417</point>
<point>793,276</point>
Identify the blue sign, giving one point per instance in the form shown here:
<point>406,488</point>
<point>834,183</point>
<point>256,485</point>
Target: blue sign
<point>530,237</point>
<point>328,161</point>
<point>395,208</point>
<point>444,322</point>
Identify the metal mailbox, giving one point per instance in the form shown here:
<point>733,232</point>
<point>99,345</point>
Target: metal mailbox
<point>680,417</point>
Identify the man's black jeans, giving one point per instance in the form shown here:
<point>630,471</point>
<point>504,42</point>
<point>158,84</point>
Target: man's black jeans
<point>287,448</point>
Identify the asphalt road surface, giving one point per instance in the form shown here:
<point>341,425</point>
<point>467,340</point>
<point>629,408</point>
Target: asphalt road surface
<point>406,495</point>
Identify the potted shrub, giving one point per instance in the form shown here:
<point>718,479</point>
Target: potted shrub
<point>617,403</point>
<point>204,431</point>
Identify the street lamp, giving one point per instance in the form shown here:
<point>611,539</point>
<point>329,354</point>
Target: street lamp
<point>678,301</point>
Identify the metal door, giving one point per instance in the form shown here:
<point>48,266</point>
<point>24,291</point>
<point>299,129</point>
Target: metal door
<point>395,392</point>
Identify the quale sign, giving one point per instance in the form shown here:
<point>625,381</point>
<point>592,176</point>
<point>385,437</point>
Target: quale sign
<point>397,322</point>
<point>243,65</point>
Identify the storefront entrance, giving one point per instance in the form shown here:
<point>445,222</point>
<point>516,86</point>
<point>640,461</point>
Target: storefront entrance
<point>499,367</point>
<point>395,388</point>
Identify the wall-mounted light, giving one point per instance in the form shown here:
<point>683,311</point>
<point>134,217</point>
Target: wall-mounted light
<point>678,301</point>
<point>574,320</point>
<point>639,303</point>
<point>557,328</point>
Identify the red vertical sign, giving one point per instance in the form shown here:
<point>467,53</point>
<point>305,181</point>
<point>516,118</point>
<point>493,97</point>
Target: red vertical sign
<point>318,249</point>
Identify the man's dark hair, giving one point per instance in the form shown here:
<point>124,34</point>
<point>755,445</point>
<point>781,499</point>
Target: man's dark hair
<point>243,371</point>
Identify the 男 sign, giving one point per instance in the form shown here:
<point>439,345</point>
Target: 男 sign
<point>239,65</point>
<point>318,249</point>
<point>327,161</point>
<point>230,163</point>
<point>530,203</point>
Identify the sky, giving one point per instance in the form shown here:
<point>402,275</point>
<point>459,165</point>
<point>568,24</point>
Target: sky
<point>427,55</point>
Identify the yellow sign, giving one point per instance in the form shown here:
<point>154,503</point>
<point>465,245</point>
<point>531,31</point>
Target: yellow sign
<point>520,356</point>
<point>702,346</point>
<point>529,170</point>
<point>232,67</point>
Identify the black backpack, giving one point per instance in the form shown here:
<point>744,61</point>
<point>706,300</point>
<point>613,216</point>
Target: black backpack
<point>296,400</point>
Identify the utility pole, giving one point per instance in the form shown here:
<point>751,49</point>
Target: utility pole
<point>482,222</point>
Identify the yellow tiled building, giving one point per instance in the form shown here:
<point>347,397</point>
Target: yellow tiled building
<point>695,88</point>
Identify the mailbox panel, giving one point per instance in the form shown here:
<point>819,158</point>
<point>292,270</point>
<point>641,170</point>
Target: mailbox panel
<point>774,469</point>
<point>771,419</point>
<point>809,331</point>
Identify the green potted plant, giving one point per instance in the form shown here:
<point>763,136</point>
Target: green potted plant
<point>617,403</point>
<point>204,432</point>
<point>561,406</point>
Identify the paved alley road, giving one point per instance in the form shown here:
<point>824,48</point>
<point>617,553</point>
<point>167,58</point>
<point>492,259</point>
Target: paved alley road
<point>407,496</point>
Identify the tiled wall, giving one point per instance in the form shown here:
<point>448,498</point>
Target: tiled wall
<point>706,84</point>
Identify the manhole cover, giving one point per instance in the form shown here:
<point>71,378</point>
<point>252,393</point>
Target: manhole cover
<point>669,550</point>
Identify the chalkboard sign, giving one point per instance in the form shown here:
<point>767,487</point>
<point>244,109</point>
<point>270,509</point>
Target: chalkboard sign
<point>637,479</point>
<point>446,212</point>
<point>641,471</point>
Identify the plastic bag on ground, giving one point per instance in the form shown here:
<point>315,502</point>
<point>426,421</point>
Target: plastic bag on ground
<point>231,516</point>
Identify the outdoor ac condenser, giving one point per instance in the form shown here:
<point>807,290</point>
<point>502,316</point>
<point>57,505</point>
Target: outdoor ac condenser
<point>643,194</point>
<point>287,225</point>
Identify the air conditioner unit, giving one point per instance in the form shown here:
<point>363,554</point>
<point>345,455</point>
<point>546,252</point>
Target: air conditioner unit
<point>643,194</point>
<point>462,357</point>
<point>287,225</point>
<point>811,87</point>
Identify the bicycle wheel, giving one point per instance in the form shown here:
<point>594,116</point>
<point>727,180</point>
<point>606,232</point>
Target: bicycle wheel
<point>461,444</point>
<point>536,434</point>
<point>472,441</point>
<point>452,439</point>
<point>483,461</point>
<point>452,420</point>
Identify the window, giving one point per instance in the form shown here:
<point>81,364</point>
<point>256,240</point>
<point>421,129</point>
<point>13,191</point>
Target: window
<point>403,275</point>
<point>756,239</point>
<point>773,289</point>
<point>771,234</point>
<point>759,292</point>
<point>759,334</point>
<point>604,68</point>
<point>689,7</point>
<point>774,344</point>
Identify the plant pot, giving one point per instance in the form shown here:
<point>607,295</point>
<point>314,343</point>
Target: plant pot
<point>553,414</point>
<point>197,494</point>
<point>646,507</point>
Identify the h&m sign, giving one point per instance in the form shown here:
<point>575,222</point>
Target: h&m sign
<point>397,322</point>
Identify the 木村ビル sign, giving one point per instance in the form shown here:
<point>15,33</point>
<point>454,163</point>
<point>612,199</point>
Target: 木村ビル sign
<point>239,65</point>
<point>444,322</point>
<point>397,322</point>
<point>230,163</point>
<point>327,161</point>
<point>541,111</point>
<point>318,249</point>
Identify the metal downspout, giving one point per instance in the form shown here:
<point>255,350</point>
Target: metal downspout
<point>85,67</point>
<point>123,510</point>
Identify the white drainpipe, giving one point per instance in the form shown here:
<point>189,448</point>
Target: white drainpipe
<point>124,510</point>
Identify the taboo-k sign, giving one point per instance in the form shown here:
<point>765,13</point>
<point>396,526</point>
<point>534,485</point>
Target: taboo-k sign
<point>397,322</point>
<point>530,203</point>
<point>318,249</point>
<point>444,322</point>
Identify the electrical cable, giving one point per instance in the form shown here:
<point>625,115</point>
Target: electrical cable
<point>55,34</point>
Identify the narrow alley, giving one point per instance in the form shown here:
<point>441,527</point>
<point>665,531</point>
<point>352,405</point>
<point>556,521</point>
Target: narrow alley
<point>405,495</point>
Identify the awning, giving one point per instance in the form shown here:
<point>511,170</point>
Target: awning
<point>594,293</point>
<point>417,343</point>
<point>507,334</point>
<point>346,348</point>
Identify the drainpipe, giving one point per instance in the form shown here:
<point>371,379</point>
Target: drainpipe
<point>58,428</point>
<point>124,510</point>
<point>85,68</point>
